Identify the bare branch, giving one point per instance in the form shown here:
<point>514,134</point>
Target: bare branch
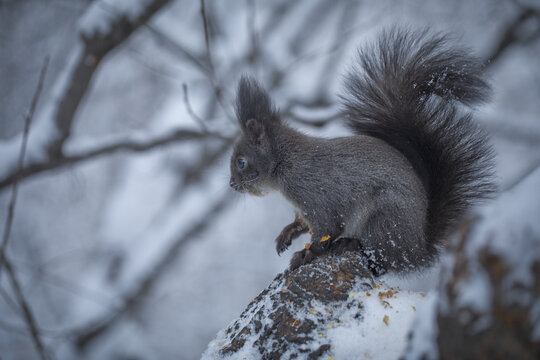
<point>194,173</point>
<point>191,113</point>
<point>9,301</point>
<point>27,312</point>
<point>82,67</point>
<point>336,47</point>
<point>524,175</point>
<point>201,62</point>
<point>13,328</point>
<point>133,299</point>
<point>328,74</point>
<point>206,34</point>
<point>319,13</point>
<point>516,32</point>
<point>4,261</point>
<point>178,49</point>
<point>18,173</point>
<point>255,51</point>
<point>77,289</point>
<point>96,47</point>
<point>176,136</point>
<point>219,91</point>
<point>511,132</point>
<point>277,16</point>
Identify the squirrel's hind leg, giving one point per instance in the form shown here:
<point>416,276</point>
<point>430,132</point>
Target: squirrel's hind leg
<point>302,257</point>
<point>290,232</point>
<point>344,244</point>
<point>317,246</point>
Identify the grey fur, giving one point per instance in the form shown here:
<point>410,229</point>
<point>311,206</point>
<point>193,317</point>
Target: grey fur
<point>394,190</point>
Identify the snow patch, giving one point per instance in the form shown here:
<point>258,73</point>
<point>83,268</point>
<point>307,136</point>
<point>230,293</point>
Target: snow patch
<point>382,332</point>
<point>422,344</point>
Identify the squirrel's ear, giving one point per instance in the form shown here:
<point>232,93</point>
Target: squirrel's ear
<point>253,102</point>
<point>255,132</point>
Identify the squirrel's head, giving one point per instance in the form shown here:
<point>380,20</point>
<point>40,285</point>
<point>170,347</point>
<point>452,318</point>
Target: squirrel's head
<point>253,158</point>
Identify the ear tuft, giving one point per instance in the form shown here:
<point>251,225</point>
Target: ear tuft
<point>254,131</point>
<point>253,102</point>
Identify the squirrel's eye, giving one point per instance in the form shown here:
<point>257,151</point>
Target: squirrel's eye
<point>241,163</point>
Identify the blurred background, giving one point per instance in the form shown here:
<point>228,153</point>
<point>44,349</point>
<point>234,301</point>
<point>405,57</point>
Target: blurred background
<point>126,241</point>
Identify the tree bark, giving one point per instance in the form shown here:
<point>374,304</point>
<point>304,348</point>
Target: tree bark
<point>288,319</point>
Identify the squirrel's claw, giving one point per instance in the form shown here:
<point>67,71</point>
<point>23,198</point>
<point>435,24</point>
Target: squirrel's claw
<point>290,232</point>
<point>283,241</point>
<point>301,257</point>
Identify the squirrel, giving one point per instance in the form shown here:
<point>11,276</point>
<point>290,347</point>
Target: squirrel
<point>395,189</point>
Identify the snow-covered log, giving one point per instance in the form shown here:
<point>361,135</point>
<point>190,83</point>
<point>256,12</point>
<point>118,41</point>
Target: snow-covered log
<point>331,308</point>
<point>487,306</point>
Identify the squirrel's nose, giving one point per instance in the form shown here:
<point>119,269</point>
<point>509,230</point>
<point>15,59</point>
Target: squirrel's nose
<point>231,183</point>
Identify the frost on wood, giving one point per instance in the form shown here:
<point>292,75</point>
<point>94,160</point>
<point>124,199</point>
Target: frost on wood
<point>329,308</point>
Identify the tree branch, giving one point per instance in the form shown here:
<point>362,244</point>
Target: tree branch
<point>206,33</point>
<point>72,87</point>
<point>516,32</point>
<point>96,46</point>
<point>4,261</point>
<point>294,313</point>
<point>178,49</point>
<point>176,136</point>
<point>219,91</point>
<point>18,174</point>
<point>27,312</point>
<point>191,113</point>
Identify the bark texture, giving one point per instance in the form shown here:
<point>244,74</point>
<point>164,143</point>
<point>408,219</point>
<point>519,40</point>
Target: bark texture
<point>287,320</point>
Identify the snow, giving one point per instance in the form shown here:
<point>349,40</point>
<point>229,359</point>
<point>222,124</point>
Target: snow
<point>510,229</point>
<point>476,291</point>
<point>371,337</point>
<point>372,323</point>
<point>513,216</point>
<point>422,344</point>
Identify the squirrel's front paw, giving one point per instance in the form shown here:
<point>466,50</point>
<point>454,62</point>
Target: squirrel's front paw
<point>290,232</point>
<point>283,241</point>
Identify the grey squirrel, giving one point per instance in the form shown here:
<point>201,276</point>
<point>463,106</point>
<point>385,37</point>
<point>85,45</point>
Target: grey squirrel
<point>394,190</point>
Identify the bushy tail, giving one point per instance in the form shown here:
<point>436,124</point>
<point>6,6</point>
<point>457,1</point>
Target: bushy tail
<point>405,91</point>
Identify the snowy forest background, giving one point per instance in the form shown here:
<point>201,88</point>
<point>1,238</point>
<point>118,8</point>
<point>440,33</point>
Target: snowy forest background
<point>126,241</point>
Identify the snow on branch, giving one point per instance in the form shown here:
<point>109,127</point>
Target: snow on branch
<point>130,144</point>
<point>102,28</point>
